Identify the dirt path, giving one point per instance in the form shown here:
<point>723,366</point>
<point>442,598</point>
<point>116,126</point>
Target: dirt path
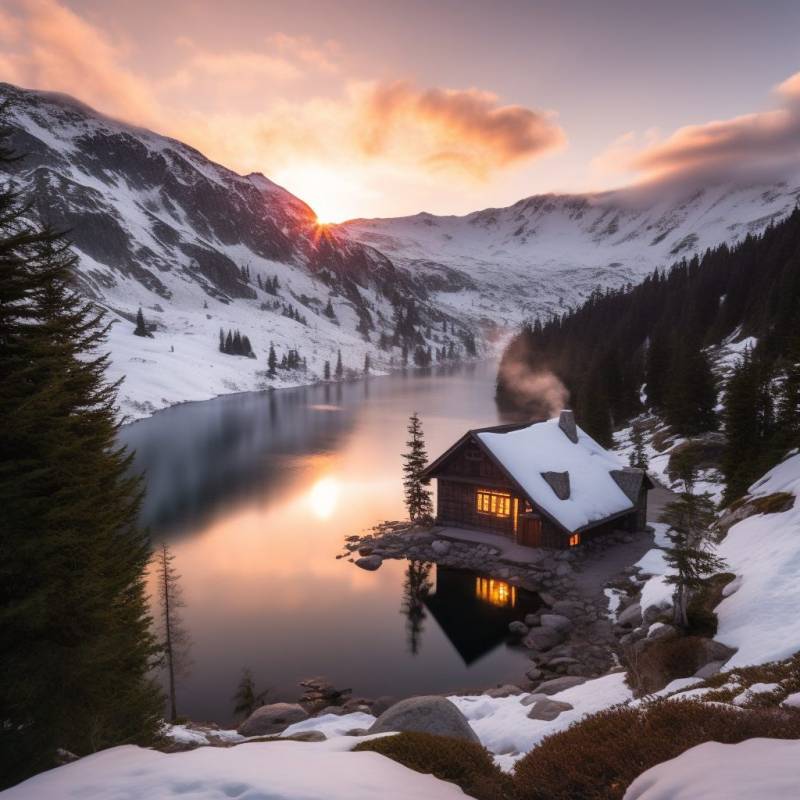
<point>598,571</point>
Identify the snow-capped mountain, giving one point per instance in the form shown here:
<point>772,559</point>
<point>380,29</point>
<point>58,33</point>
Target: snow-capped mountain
<point>550,251</point>
<point>198,247</point>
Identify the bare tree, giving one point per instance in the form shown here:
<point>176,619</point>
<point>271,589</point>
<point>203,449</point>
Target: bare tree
<point>177,643</point>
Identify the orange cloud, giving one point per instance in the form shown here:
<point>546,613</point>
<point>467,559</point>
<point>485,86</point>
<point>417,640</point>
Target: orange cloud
<point>751,145</point>
<point>466,130</point>
<point>59,51</point>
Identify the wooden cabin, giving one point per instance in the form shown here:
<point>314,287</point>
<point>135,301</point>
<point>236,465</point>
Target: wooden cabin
<point>545,484</point>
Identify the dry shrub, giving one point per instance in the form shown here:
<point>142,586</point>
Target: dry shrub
<point>466,764</point>
<point>600,756</point>
<point>775,503</point>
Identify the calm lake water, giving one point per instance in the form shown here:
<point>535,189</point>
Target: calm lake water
<point>255,494</point>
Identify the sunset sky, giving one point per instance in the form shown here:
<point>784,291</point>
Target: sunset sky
<point>386,108</point>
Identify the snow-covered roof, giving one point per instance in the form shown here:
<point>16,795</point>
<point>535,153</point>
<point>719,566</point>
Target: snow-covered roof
<point>543,447</point>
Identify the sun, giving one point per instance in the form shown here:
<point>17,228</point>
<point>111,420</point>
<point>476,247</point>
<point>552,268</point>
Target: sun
<point>333,194</point>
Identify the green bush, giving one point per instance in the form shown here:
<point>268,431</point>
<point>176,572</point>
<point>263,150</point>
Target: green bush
<point>600,756</point>
<point>468,765</point>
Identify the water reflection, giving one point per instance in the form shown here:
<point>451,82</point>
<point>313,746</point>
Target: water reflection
<point>256,493</point>
<point>416,588</point>
<point>474,610</point>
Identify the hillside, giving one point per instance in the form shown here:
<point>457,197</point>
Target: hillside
<point>711,344</point>
<point>158,226</point>
<point>548,252</point>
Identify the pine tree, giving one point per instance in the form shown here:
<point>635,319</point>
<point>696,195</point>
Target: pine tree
<point>221,341</point>
<point>176,642</point>
<point>272,361</point>
<point>75,639</point>
<point>690,555</point>
<point>247,698</point>
<point>339,366</point>
<point>141,328</point>
<point>327,371</point>
<point>329,312</point>
<point>638,457</point>
<point>417,495</point>
<point>366,364</point>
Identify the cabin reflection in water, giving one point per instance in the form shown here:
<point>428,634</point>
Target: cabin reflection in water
<point>498,593</point>
<point>474,610</point>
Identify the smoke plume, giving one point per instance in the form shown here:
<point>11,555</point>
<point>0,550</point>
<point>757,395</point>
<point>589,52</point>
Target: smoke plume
<point>538,393</point>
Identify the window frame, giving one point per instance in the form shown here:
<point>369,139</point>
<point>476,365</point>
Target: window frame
<point>487,502</point>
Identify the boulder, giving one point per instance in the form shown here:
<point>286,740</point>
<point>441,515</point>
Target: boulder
<point>709,670</point>
<point>272,718</point>
<point>380,704</point>
<point>440,547</point>
<point>370,563</point>
<point>652,614</point>
<point>630,617</point>
<point>660,630</point>
<point>534,674</point>
<point>712,650</point>
<point>559,684</point>
<point>531,620</point>
<point>568,608</point>
<point>542,638</point>
<point>547,709</point>
<point>429,714</point>
<point>557,621</point>
<point>517,628</point>
<point>503,691</point>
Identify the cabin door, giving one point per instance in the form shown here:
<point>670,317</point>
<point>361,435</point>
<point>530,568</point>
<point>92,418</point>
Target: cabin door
<point>529,531</point>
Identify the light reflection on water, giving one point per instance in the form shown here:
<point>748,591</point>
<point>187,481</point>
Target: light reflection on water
<point>256,492</point>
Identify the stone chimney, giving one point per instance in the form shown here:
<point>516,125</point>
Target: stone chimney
<point>566,421</point>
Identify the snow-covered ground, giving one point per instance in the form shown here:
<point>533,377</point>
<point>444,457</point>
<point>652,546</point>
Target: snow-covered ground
<point>759,614</point>
<point>751,770</point>
<point>503,726</point>
<point>265,771</point>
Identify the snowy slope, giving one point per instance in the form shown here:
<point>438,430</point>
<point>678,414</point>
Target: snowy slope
<point>159,226</point>
<point>550,251</point>
<point>274,770</point>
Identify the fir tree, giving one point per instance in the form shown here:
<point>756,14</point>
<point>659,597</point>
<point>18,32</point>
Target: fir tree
<point>76,641</point>
<point>367,364</point>
<point>638,457</point>
<point>327,371</point>
<point>417,495</point>
<point>221,341</point>
<point>176,642</point>
<point>329,312</point>
<point>689,555</point>
<point>272,361</point>
<point>339,366</point>
<point>247,698</point>
<point>141,328</point>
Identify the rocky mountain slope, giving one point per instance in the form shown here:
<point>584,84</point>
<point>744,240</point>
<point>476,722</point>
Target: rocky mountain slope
<point>550,251</point>
<point>156,225</point>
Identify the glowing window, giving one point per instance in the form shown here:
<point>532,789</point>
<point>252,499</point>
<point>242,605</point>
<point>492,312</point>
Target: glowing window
<point>574,540</point>
<point>497,504</point>
<point>497,593</point>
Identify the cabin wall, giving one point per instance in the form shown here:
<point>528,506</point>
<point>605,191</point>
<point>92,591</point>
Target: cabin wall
<point>456,505</point>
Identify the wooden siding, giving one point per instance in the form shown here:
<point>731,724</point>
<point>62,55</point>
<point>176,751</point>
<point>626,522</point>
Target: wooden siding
<point>456,504</point>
